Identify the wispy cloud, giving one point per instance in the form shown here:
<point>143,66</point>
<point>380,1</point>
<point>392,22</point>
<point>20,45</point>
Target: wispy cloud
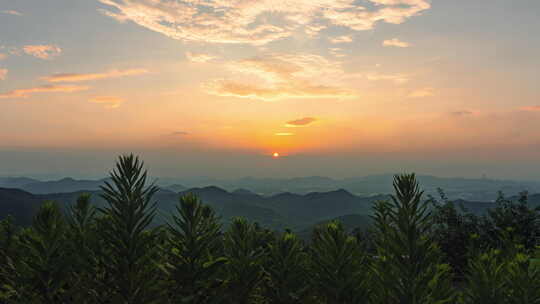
<point>530,108</point>
<point>199,57</point>
<point>72,77</point>
<point>240,21</point>
<point>42,51</point>
<point>420,93</point>
<point>3,74</point>
<point>179,133</point>
<point>313,30</point>
<point>284,134</point>
<point>337,52</point>
<point>25,93</point>
<point>341,39</point>
<point>12,12</point>
<point>397,78</point>
<point>396,43</point>
<point>3,56</point>
<point>302,122</point>
<point>283,76</point>
<point>109,102</point>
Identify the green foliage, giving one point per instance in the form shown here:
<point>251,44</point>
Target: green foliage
<point>43,274</point>
<point>452,230</point>
<point>83,244</point>
<point>194,252</point>
<point>245,255</point>
<point>286,271</point>
<point>409,267</point>
<point>131,257</point>
<point>503,276</point>
<point>8,254</point>
<point>462,235</point>
<point>523,220</point>
<point>523,281</point>
<point>338,271</point>
<point>486,281</point>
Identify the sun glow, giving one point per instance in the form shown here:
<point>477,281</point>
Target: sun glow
<point>275,155</point>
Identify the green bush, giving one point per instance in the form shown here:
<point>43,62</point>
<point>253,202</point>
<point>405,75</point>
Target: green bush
<point>409,268</point>
<point>338,271</point>
<point>194,252</point>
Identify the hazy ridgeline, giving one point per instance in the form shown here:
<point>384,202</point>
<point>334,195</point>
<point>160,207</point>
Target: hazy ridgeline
<point>418,250</point>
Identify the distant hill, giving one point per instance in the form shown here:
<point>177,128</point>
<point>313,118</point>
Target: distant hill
<point>241,191</point>
<point>16,182</point>
<point>317,206</point>
<point>175,188</point>
<point>19,204</point>
<point>279,211</point>
<point>470,189</point>
<point>474,189</point>
<point>229,205</point>
<point>63,185</point>
<point>22,205</point>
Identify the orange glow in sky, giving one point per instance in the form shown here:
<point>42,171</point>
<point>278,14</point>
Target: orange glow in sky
<point>296,80</point>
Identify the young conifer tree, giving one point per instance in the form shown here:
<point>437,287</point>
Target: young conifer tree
<point>286,271</point>
<point>9,245</point>
<point>194,252</point>
<point>408,268</point>
<point>244,253</point>
<point>43,270</point>
<point>338,270</point>
<point>134,276</point>
<point>83,240</point>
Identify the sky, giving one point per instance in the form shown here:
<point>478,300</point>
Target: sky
<point>214,88</point>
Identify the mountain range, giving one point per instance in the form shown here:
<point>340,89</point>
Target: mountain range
<point>481,189</point>
<point>299,211</point>
<point>286,210</point>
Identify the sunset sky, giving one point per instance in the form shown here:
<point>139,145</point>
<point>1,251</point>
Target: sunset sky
<point>216,87</point>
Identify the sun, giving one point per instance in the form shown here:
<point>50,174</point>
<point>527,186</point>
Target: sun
<point>275,155</point>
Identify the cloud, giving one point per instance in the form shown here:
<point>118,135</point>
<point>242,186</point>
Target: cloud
<point>9,50</point>
<point>284,134</point>
<point>396,43</point>
<point>110,102</point>
<point>336,52</point>
<point>420,93</point>
<point>199,57</point>
<point>179,133</point>
<point>302,122</point>
<point>234,89</point>
<point>42,51</point>
<point>69,77</point>
<point>25,93</point>
<point>3,74</point>
<point>530,108</point>
<point>282,76</point>
<point>341,39</point>
<point>397,78</point>
<point>314,30</point>
<point>12,12</point>
<point>258,22</point>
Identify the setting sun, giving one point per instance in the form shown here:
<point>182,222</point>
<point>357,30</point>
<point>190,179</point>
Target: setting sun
<point>275,155</point>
